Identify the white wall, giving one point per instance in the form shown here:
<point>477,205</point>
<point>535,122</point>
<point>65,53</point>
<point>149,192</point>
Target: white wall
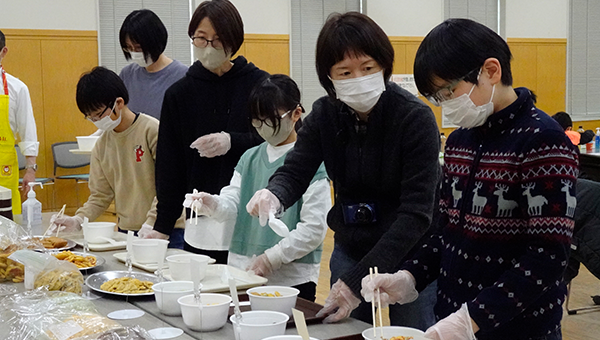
<point>524,19</point>
<point>537,18</point>
<point>49,14</point>
<point>262,16</point>
<point>406,17</point>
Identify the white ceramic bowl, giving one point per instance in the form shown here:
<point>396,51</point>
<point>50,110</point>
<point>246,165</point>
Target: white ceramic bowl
<point>283,304</point>
<point>148,250</point>
<point>287,337</point>
<point>215,308</point>
<point>167,294</point>
<point>96,230</point>
<point>179,266</point>
<point>391,331</point>
<point>259,324</point>
<point>86,143</point>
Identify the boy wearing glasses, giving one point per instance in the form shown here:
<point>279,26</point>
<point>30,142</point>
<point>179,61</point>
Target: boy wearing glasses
<point>122,161</point>
<point>507,198</point>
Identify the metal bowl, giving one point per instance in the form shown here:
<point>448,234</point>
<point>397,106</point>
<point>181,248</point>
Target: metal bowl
<point>96,280</point>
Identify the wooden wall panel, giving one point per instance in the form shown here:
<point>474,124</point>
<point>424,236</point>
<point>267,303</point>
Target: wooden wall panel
<point>269,52</point>
<point>50,63</point>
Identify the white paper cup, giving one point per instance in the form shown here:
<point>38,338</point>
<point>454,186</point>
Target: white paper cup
<point>96,230</point>
<point>167,294</point>
<point>147,250</point>
<point>215,308</point>
<point>257,325</point>
<point>179,266</point>
<point>283,303</point>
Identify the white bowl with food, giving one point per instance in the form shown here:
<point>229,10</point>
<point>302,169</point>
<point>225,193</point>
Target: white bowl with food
<point>167,293</point>
<point>215,308</point>
<point>147,250</point>
<point>275,298</point>
<point>259,324</point>
<point>180,266</point>
<point>86,143</point>
<point>99,232</point>
<point>394,333</point>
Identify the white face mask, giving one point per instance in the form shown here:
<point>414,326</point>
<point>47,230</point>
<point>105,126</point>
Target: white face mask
<point>107,123</point>
<point>138,58</point>
<point>463,112</point>
<point>360,93</point>
<point>210,57</point>
<point>286,126</point>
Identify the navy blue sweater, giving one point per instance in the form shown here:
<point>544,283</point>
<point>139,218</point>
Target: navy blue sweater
<point>507,205</point>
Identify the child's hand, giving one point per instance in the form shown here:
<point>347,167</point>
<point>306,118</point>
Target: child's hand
<point>260,265</point>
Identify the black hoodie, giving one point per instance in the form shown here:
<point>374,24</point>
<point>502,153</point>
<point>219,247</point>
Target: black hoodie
<point>201,103</point>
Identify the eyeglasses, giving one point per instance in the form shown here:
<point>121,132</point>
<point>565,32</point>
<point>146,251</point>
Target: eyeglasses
<point>202,42</point>
<point>98,117</point>
<point>257,123</point>
<point>447,92</point>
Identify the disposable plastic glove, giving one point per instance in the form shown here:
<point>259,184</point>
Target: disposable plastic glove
<point>201,202</point>
<point>212,145</point>
<point>456,326</point>
<point>393,288</point>
<point>261,204</point>
<point>341,302</point>
<point>147,231</point>
<point>260,265</point>
<point>65,223</point>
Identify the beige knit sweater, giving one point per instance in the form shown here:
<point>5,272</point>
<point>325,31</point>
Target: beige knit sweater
<point>122,169</point>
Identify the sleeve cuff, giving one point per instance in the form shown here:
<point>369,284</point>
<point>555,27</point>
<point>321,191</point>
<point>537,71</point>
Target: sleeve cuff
<point>275,256</point>
<point>29,148</point>
<point>353,278</point>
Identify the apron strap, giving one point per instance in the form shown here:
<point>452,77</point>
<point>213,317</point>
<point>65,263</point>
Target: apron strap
<point>4,82</point>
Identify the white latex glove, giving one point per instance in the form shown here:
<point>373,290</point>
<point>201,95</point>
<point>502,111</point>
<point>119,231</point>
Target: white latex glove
<point>147,231</point>
<point>212,145</point>
<point>201,202</point>
<point>339,304</point>
<point>65,223</point>
<point>393,288</point>
<point>260,265</point>
<point>261,204</point>
<point>456,326</point>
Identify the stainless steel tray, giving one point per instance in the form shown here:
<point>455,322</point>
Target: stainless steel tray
<point>96,280</point>
<point>99,259</point>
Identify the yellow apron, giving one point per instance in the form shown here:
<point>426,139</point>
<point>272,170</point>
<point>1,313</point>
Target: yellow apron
<point>9,164</point>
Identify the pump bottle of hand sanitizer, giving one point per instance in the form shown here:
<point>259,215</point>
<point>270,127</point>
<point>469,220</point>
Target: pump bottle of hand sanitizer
<point>32,211</point>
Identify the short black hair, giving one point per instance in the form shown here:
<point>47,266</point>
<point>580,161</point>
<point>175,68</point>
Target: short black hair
<point>563,119</point>
<point>454,49</point>
<point>2,40</point>
<point>144,27</point>
<point>99,88</point>
<point>353,34</point>
<point>276,92</point>
<point>226,21</point>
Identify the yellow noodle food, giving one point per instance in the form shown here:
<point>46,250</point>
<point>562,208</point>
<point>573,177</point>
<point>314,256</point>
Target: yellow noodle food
<point>58,279</point>
<point>127,285</point>
<point>78,260</point>
<point>277,294</point>
<point>400,337</point>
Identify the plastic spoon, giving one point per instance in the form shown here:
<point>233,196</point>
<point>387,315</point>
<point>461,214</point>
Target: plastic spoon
<point>110,240</point>
<point>84,227</point>
<point>300,322</point>
<point>196,278</point>
<point>236,307</point>
<point>278,226</point>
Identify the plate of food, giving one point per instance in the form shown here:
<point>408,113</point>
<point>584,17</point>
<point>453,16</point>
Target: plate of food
<point>53,243</point>
<point>120,283</point>
<point>81,260</point>
<point>393,333</point>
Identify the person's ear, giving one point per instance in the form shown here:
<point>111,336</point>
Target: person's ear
<point>3,52</point>
<point>120,104</point>
<point>492,70</point>
<point>297,113</point>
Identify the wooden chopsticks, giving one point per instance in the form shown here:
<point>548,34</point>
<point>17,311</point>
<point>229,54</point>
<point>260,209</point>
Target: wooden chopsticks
<point>378,297</point>
<point>59,215</point>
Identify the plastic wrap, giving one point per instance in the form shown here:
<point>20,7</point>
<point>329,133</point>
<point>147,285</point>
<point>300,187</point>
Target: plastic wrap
<point>12,238</point>
<point>43,315</point>
<point>46,270</point>
<point>125,333</point>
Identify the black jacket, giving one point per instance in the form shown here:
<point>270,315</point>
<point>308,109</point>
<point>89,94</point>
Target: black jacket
<point>201,103</point>
<point>391,162</point>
